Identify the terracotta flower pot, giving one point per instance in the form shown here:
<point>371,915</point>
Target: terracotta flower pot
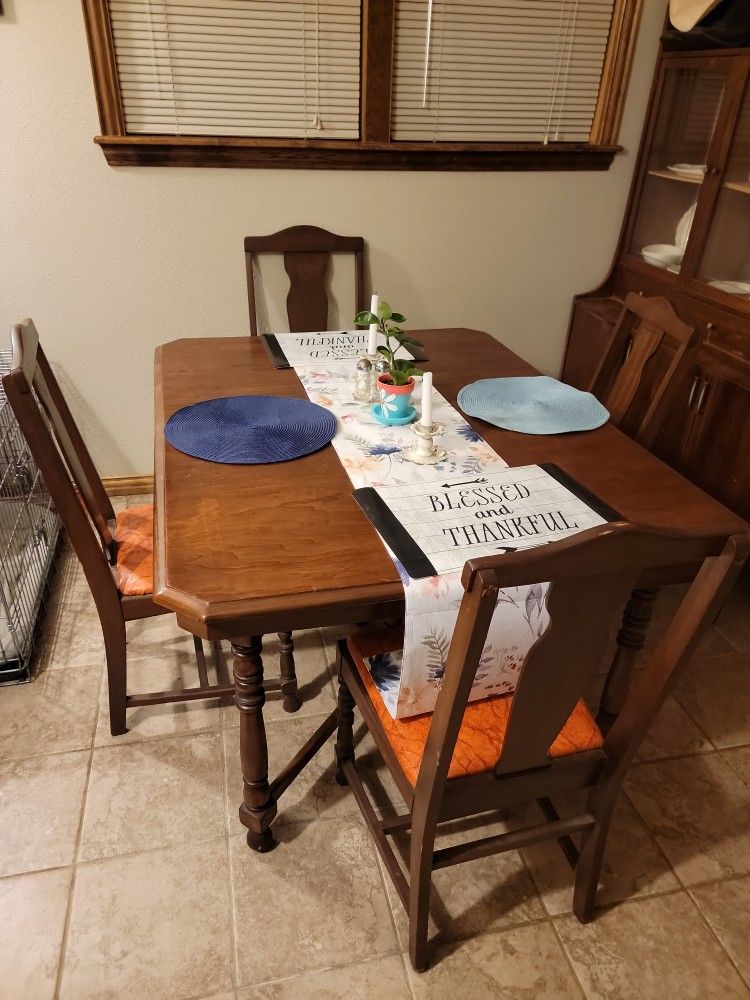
<point>395,400</point>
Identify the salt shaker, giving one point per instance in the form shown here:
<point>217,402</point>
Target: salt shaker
<point>379,368</point>
<point>363,380</point>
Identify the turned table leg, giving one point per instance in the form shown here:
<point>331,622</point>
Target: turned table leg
<point>291,700</point>
<point>258,807</point>
<point>630,640</point>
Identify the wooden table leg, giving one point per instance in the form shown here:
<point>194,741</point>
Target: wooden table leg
<point>291,699</point>
<point>630,640</point>
<point>258,807</point>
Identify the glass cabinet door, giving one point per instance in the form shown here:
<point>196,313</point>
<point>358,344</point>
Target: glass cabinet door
<point>726,259</point>
<point>677,162</point>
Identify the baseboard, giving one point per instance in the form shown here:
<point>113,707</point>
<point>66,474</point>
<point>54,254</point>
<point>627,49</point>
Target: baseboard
<point>122,486</point>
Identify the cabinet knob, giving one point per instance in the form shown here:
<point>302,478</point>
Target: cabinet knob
<point>710,327</point>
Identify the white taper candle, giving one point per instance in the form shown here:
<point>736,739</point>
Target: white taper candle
<point>372,340</point>
<point>426,420</point>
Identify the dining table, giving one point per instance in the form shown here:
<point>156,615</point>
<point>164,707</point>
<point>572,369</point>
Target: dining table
<point>245,550</point>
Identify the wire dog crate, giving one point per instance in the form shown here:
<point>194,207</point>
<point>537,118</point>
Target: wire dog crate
<point>29,532</point>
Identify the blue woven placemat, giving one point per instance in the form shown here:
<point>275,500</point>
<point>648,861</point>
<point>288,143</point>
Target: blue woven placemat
<point>533,404</point>
<point>250,430</point>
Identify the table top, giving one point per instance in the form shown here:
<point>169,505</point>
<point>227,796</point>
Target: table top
<point>244,550</point>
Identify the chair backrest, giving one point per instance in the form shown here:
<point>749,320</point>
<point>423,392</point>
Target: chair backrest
<point>62,458</point>
<point>307,259</point>
<point>647,358</point>
<point>591,577</point>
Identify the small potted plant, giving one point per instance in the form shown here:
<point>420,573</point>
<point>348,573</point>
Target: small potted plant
<point>395,385</point>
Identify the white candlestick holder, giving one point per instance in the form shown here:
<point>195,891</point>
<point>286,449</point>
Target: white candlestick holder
<point>425,452</point>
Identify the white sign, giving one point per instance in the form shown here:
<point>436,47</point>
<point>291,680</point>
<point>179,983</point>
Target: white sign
<point>456,519</point>
<point>344,345</point>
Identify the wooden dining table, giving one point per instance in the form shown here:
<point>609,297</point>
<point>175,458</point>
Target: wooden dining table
<point>241,550</point>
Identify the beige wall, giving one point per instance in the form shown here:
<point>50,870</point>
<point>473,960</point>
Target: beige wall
<point>111,262</point>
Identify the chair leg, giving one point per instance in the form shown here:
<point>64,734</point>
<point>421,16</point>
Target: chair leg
<point>217,658</point>
<point>420,885</point>
<point>344,748</point>
<point>201,658</point>
<point>117,675</point>
<point>291,700</point>
<point>588,869</point>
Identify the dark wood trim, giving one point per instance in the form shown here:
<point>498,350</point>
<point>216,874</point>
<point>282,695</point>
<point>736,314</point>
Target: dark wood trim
<point>190,151</point>
<point>728,117</point>
<point>616,72</point>
<point>375,151</point>
<point>378,20</point>
<point>104,66</point>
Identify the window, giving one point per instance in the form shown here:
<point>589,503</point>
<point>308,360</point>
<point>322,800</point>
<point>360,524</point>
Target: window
<point>432,84</point>
<point>238,67</point>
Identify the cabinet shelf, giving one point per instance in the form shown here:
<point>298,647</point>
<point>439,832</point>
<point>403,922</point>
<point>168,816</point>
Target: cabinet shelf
<point>699,114</point>
<point>668,175</point>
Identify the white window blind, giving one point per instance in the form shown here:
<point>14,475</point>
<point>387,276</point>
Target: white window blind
<point>498,70</point>
<point>273,68</point>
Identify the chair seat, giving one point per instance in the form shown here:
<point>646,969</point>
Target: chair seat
<point>482,734</point>
<point>134,538</point>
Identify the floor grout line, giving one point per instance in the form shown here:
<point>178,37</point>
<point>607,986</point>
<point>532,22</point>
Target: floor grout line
<point>688,713</point>
<point>685,755</point>
<point>174,846</point>
<point>230,865</point>
<point>76,852</point>
<point>229,838</point>
<point>323,968</point>
<point>548,915</point>
<point>716,937</point>
<point>71,889</point>
<point>568,959</point>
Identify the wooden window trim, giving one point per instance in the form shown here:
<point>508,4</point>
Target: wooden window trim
<point>374,150</point>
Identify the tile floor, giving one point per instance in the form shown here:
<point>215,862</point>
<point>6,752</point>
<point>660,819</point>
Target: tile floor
<point>124,870</point>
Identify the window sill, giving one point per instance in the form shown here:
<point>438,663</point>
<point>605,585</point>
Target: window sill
<point>189,151</point>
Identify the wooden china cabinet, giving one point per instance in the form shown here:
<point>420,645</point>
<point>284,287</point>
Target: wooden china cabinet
<point>690,204</point>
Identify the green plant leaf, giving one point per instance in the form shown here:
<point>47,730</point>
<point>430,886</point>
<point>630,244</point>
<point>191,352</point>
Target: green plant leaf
<point>384,311</point>
<point>398,318</point>
<point>400,377</point>
<point>405,368</point>
<point>365,318</point>
<point>385,352</point>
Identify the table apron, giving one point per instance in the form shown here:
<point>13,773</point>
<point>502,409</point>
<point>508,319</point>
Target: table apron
<point>241,627</point>
<point>236,627</point>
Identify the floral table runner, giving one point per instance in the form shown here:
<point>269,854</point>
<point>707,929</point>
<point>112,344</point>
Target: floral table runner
<point>409,681</point>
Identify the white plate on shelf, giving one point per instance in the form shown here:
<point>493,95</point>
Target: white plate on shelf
<point>682,233</point>
<point>694,171</point>
<point>733,287</point>
<point>661,254</point>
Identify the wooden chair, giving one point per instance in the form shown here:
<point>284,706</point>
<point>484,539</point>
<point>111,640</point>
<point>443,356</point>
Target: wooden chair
<point>307,254</point>
<point>467,759</point>
<point>647,359</point>
<point>116,552</point>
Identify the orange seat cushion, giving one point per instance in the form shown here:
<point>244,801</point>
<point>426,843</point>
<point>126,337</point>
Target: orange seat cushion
<point>482,734</point>
<point>134,538</point>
